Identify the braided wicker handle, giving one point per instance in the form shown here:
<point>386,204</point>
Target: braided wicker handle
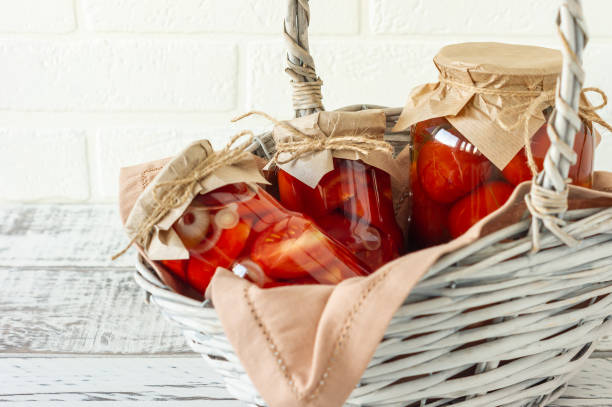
<point>300,65</point>
<point>548,198</point>
<point>566,122</point>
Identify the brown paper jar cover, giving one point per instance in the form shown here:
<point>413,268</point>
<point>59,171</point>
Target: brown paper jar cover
<point>311,168</point>
<point>342,180</point>
<point>164,243</point>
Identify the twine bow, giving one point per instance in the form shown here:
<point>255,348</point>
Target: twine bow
<point>302,144</point>
<point>544,99</point>
<point>173,194</point>
<point>545,204</point>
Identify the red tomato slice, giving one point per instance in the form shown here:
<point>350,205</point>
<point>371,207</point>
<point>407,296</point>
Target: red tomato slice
<point>191,272</point>
<point>349,179</point>
<point>429,224</point>
<point>517,170</point>
<point>376,213</point>
<point>290,190</point>
<point>335,188</point>
<point>470,209</point>
<point>372,202</point>
<point>299,197</point>
<point>295,248</point>
<point>451,169</point>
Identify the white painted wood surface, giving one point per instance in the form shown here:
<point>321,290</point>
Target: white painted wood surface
<point>124,379</point>
<point>147,379</point>
<point>98,311</point>
<point>74,327</point>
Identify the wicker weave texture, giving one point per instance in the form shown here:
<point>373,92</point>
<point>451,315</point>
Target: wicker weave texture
<point>490,324</point>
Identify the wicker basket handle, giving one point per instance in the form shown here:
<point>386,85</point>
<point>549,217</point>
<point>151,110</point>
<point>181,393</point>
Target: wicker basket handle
<point>548,199</point>
<point>300,65</point>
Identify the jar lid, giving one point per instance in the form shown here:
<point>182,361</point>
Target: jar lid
<point>500,59</point>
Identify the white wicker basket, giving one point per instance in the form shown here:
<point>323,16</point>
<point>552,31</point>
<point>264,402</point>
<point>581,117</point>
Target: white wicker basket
<point>492,324</point>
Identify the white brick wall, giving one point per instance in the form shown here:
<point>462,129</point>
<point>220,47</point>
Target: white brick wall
<point>88,86</point>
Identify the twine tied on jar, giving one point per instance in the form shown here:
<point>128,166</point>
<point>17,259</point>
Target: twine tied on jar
<point>169,195</point>
<point>537,101</point>
<point>301,144</point>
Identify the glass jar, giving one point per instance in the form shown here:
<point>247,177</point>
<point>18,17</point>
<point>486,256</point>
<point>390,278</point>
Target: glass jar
<point>242,228</point>
<point>454,185</point>
<point>353,203</point>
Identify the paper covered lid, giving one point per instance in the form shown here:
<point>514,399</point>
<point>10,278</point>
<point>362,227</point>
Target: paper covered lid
<point>500,58</point>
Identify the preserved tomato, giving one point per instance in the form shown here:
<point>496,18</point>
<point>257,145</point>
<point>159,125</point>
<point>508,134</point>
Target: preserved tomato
<point>296,248</point>
<point>454,185</point>
<point>429,222</point>
<point>353,203</point>
<point>477,205</point>
<point>449,167</point>
<point>241,227</point>
<point>581,173</point>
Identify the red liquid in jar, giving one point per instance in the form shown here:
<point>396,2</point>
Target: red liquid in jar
<point>242,227</point>
<point>454,185</point>
<point>354,204</point>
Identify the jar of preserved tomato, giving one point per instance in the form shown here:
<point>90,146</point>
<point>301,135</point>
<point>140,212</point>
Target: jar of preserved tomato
<point>242,228</point>
<point>205,210</point>
<point>345,191</point>
<point>469,133</point>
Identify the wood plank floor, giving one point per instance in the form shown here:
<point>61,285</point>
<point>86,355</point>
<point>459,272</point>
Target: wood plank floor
<point>74,328</point>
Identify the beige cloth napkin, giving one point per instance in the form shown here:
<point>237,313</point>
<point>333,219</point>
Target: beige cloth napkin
<point>309,345</point>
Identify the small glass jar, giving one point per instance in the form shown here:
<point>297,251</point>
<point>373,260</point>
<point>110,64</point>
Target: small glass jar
<point>454,185</point>
<point>353,203</point>
<point>242,228</point>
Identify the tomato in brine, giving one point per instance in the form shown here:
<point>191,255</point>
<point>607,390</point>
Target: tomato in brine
<point>581,173</point>
<point>472,208</point>
<point>429,222</point>
<point>454,185</point>
<point>352,203</point>
<point>242,228</point>
<point>449,167</point>
<point>296,248</point>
